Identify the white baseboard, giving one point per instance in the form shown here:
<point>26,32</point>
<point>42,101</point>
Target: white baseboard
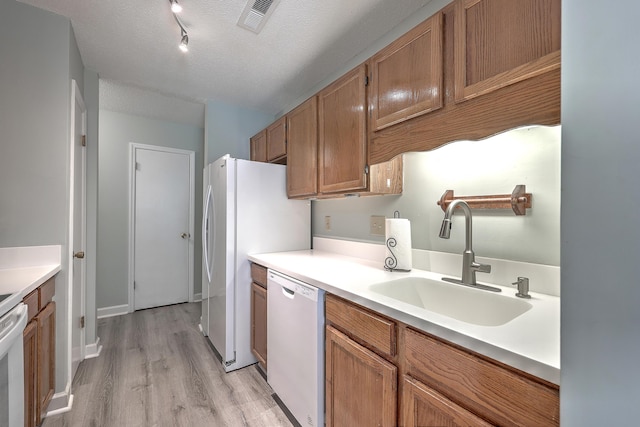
<point>116,310</point>
<point>60,403</point>
<point>93,350</point>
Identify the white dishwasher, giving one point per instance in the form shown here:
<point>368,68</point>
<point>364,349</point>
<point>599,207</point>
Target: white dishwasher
<point>295,346</point>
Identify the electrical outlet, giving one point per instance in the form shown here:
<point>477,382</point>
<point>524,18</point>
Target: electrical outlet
<point>327,223</point>
<point>376,225</point>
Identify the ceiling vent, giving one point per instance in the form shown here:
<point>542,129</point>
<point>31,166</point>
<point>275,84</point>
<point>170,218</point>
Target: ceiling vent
<point>256,13</point>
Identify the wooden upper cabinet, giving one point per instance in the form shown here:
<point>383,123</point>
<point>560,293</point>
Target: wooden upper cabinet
<point>501,42</point>
<point>406,76</point>
<point>302,150</point>
<point>277,140</point>
<point>258,146</point>
<point>342,134</point>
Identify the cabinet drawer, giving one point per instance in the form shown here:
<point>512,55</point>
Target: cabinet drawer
<point>361,324</point>
<point>47,290</point>
<point>31,301</point>
<point>259,274</point>
<point>508,398</point>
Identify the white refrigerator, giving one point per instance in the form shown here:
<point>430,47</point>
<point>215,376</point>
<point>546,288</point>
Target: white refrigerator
<point>245,211</point>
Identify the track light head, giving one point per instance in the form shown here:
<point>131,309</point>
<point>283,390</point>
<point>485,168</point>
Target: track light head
<point>184,43</point>
<point>175,6</point>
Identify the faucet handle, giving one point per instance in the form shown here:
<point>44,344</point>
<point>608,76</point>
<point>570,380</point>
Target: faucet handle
<point>481,268</point>
<point>523,287</point>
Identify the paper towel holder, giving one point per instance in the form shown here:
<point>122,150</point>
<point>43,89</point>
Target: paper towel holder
<point>519,200</point>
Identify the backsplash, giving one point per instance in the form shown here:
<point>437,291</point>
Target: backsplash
<point>529,156</point>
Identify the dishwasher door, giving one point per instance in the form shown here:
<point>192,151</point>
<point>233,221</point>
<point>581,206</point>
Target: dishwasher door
<point>295,346</point>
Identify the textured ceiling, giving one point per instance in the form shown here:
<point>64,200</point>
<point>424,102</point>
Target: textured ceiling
<point>133,46</point>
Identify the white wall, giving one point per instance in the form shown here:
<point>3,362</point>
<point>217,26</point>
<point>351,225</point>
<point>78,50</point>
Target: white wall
<point>600,379</point>
<point>528,156</point>
<point>117,131</point>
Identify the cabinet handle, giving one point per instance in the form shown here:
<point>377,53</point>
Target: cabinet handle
<point>79,255</point>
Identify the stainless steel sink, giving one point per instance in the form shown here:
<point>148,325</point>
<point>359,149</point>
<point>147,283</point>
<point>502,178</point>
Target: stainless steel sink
<point>469,305</point>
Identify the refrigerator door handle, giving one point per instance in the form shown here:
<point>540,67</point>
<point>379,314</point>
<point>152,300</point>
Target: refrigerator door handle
<point>205,232</point>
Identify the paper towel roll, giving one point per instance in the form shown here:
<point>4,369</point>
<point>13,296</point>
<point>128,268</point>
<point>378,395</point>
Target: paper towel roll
<point>398,243</point>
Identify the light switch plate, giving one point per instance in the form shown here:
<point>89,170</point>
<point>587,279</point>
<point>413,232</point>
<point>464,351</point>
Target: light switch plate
<point>376,225</point>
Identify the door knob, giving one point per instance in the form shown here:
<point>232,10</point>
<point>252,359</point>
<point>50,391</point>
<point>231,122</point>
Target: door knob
<point>79,255</point>
<point>185,235</point>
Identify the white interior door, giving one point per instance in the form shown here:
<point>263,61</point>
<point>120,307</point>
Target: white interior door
<point>77,308</point>
<point>163,227</point>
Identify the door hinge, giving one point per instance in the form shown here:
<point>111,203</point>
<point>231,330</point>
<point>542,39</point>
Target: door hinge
<point>134,285</point>
<point>366,80</point>
<point>84,140</point>
<point>138,166</point>
<point>82,322</point>
<point>366,169</point>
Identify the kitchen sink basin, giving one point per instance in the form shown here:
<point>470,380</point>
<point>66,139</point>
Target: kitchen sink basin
<point>462,303</point>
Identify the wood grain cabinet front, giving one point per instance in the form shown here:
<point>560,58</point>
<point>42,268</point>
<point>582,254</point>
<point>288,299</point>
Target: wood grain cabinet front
<point>406,76</point>
<point>501,42</point>
<point>342,144</point>
<point>361,387</point>
<point>258,146</point>
<point>423,406</point>
<point>302,150</point>
<point>39,347</point>
<point>277,141</point>
<point>259,314</point>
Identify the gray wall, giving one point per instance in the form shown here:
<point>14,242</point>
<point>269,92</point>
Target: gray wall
<point>38,60</point>
<point>528,156</point>
<point>117,131</point>
<point>34,113</point>
<point>600,211</point>
<point>228,129</point>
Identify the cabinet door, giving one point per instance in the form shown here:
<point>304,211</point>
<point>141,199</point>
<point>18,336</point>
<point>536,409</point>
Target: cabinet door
<point>258,146</point>
<point>46,321</point>
<point>302,150</point>
<point>407,76</point>
<point>360,385</point>
<point>342,134</point>
<point>277,140</point>
<point>422,406</point>
<point>30,339</point>
<point>259,323</point>
<point>501,42</point>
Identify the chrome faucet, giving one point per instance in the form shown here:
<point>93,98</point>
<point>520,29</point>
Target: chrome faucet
<point>469,264</point>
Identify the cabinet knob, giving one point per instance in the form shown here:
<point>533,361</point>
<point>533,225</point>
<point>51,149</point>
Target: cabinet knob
<point>79,255</point>
<point>185,235</point>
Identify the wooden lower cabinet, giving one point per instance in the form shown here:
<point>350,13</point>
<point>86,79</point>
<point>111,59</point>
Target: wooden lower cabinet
<point>423,406</point>
<point>39,346</point>
<point>46,321</point>
<point>30,338</point>
<point>361,387</point>
<point>259,323</point>
<point>441,384</point>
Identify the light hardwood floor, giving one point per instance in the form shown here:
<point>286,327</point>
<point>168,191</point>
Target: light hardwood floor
<point>156,369</point>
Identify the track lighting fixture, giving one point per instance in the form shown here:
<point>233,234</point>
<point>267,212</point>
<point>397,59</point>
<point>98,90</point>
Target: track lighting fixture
<point>184,37</point>
<point>175,6</point>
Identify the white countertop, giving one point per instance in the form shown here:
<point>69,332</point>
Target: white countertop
<point>24,269</point>
<point>530,342</point>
